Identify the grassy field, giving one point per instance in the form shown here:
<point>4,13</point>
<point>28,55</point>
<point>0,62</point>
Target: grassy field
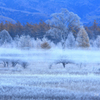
<point>38,82</point>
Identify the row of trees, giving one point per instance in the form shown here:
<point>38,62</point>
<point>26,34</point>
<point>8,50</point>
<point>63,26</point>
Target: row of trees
<point>33,30</point>
<point>27,42</point>
<point>93,30</point>
<point>64,27</point>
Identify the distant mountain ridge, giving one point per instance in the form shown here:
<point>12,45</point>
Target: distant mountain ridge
<point>35,10</point>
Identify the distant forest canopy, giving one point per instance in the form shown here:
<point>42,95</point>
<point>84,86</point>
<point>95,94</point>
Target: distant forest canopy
<point>32,29</point>
<point>39,30</point>
<point>93,30</point>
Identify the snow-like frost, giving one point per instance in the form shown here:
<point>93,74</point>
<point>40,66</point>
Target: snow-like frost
<point>75,86</point>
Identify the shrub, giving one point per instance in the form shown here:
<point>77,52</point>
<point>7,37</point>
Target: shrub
<point>45,45</point>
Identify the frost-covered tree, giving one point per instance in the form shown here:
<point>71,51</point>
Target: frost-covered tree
<point>37,43</point>
<point>82,39</point>
<point>70,42</point>
<point>16,41</point>
<point>62,23</point>
<point>44,39</point>
<point>97,42</point>
<point>5,37</point>
<point>91,43</point>
<point>24,42</point>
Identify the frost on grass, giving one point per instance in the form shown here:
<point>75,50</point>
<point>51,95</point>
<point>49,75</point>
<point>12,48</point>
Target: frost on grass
<point>50,86</point>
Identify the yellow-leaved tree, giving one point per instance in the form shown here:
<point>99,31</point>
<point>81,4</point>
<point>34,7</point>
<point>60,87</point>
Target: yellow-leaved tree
<point>82,39</point>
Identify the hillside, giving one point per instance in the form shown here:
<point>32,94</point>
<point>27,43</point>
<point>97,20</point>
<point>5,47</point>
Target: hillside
<point>35,10</point>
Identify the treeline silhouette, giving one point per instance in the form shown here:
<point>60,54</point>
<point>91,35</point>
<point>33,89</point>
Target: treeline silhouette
<point>31,29</point>
<point>39,30</point>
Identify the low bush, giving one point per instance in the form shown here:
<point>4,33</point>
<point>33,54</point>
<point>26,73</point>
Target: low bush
<point>45,45</point>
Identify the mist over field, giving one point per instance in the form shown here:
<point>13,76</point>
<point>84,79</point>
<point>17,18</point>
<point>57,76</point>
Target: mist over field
<point>52,55</point>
